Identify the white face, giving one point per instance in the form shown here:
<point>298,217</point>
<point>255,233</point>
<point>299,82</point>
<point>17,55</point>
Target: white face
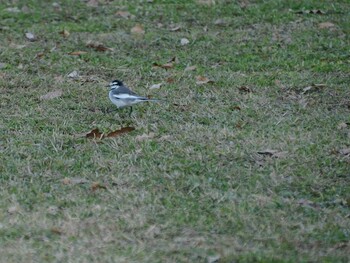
<point>116,83</point>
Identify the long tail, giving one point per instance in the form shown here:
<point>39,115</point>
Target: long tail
<point>152,100</point>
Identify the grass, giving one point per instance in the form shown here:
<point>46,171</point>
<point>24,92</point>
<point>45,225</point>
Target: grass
<point>189,184</point>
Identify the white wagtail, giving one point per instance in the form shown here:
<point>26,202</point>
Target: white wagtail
<point>121,96</point>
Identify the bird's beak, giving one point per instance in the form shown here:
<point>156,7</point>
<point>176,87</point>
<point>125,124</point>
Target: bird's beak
<point>107,86</point>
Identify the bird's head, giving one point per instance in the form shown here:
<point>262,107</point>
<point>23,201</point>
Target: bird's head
<point>115,84</point>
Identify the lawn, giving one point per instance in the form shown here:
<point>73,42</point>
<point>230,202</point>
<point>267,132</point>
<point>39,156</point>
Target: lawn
<point>247,159</point>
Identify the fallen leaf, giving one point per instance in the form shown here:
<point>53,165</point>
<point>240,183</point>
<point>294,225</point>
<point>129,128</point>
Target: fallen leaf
<point>156,86</point>
<point>73,181</point>
<point>52,95</point>
<point>12,209</point>
<point>64,33</point>
<point>313,87</point>
<point>342,125</point>
<point>190,68</point>
<point>305,202</point>
<point>267,152</point>
<point>273,153</point>
<point>280,154</point>
<point>138,30</point>
<point>236,108</point>
<point>92,3</point>
<point>173,59</point>
<point>56,230</point>
<point>213,259</point>
<point>220,22</point>
<point>326,25</point>
<point>98,46</point>
<point>165,138</point>
<point>206,2</point>
<point>39,55</point>
<point>165,66</point>
<point>170,80</point>
<point>175,28</point>
<point>313,11</point>
<point>344,151</point>
<point>12,10</point>
<point>202,80</point>
<point>184,41</point>
<point>145,136</point>
<point>124,14</point>
<point>96,185</point>
<point>30,36</point>
<point>74,74</point>
<point>245,89</point>
<point>119,132</point>
<point>152,232</point>
<point>77,53</point>
<point>12,45</point>
<point>95,133</point>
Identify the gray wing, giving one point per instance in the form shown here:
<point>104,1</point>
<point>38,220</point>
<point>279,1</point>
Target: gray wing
<point>123,90</point>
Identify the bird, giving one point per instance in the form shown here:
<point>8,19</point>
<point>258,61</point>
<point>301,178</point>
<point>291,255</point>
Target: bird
<point>121,96</point>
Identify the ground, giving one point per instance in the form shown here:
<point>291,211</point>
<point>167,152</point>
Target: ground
<point>246,159</point>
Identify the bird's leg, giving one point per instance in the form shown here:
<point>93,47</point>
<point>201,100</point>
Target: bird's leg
<point>130,111</point>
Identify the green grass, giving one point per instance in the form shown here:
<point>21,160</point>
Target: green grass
<point>196,189</point>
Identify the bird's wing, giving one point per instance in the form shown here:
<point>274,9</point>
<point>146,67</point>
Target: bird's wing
<point>124,90</point>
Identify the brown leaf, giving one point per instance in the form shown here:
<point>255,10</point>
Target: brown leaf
<point>236,108</point>
<point>326,25</point>
<point>52,95</point>
<point>30,36</point>
<point>138,30</point>
<point>98,46</point>
<point>96,185</point>
<point>165,66</point>
<point>190,68</point>
<point>203,80</point>
<point>119,132</point>
<point>77,53</point>
<point>64,33</point>
<point>73,181</point>
<point>124,14</point>
<point>56,230</point>
<point>95,133</point>
<point>170,80</point>
<point>245,89</point>
<point>39,55</point>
